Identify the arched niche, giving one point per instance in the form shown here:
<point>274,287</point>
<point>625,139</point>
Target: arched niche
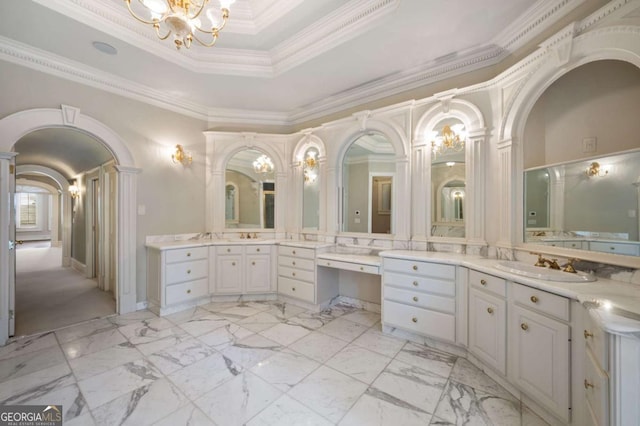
<point>619,43</point>
<point>447,112</point>
<point>308,185</point>
<point>17,125</point>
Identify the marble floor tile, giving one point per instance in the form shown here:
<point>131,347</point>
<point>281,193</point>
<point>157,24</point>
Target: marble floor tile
<point>461,404</point>
<point>363,317</point>
<point>260,305</point>
<point>17,366</point>
<point>104,360</point>
<point>415,386</point>
<point>31,386</point>
<point>70,397</point>
<point>328,393</point>
<point>187,315</point>
<point>222,337</point>
<point>285,334</point>
<point>156,341</point>
<point>311,320</point>
<point>85,419</point>
<point>529,418</point>
<point>359,363</point>
<point>105,387</point>
<point>93,343</point>
<point>182,355</point>
<point>343,329</point>
<point>284,310</point>
<point>238,313</point>
<point>379,343</point>
<point>339,310</point>
<point>378,408</point>
<point>132,317</point>
<point>145,330</point>
<point>219,306</point>
<point>319,347</point>
<point>286,411</point>
<point>435,361</point>
<point>203,324</point>
<point>85,329</point>
<point>205,375</point>
<point>27,345</point>
<point>284,369</point>
<point>251,350</point>
<point>260,321</point>
<point>189,415</point>
<point>238,400</point>
<point>141,406</point>
<point>468,374</point>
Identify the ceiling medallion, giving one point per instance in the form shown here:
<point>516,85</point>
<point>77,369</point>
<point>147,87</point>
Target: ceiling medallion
<point>183,19</point>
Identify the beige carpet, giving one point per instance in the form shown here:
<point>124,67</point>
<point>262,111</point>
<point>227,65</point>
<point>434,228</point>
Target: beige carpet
<point>49,296</point>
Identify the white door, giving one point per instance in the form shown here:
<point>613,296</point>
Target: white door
<point>12,247</point>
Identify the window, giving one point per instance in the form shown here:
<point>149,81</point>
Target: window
<point>27,210</point>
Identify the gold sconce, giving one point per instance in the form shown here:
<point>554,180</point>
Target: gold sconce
<point>74,191</point>
<point>595,170</point>
<point>310,166</point>
<point>452,138</point>
<point>182,157</point>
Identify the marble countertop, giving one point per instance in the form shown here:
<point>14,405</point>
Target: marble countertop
<point>169,245</point>
<point>361,259</point>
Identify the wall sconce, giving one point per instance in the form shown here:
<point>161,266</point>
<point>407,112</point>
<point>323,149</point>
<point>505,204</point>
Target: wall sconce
<point>74,191</point>
<point>310,165</point>
<point>182,157</point>
<point>451,163</point>
<point>595,170</point>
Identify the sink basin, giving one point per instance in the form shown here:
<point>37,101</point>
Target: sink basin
<point>540,273</point>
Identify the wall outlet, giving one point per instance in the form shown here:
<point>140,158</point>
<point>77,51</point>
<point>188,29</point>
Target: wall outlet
<point>632,213</point>
<point>356,220</point>
<point>589,145</point>
<point>531,222</point>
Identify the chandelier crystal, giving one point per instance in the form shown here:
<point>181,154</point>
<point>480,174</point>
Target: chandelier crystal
<point>184,19</point>
<point>452,138</point>
<point>263,165</point>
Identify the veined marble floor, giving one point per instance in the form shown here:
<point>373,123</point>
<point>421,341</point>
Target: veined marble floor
<point>254,363</point>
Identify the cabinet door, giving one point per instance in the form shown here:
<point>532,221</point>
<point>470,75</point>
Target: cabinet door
<point>539,358</point>
<point>487,328</point>
<point>258,269</point>
<point>229,274</point>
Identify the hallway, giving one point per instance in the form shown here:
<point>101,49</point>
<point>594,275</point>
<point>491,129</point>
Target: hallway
<point>49,296</point>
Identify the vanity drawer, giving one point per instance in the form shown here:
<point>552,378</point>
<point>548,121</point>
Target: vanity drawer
<point>424,269</point>
<point>541,301</point>
<point>182,292</point>
<point>615,248</point>
<point>257,249</point>
<point>296,274</point>
<point>488,283</point>
<point>186,271</point>
<point>296,252</point>
<point>182,255</point>
<point>422,300</point>
<point>596,390</point>
<point>418,320</point>
<point>297,289</point>
<point>431,285</point>
<point>294,262</point>
<point>574,245</point>
<point>358,267</point>
<point>221,250</point>
<point>596,340</point>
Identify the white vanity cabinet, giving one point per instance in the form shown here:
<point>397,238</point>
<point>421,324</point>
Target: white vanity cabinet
<point>297,273</point>
<point>539,347</point>
<point>241,269</point>
<point>420,297</point>
<point>488,319</point>
<point>176,277</point>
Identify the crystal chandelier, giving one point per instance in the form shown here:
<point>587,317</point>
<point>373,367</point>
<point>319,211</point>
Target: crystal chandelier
<point>263,165</point>
<point>183,19</point>
<point>452,138</point>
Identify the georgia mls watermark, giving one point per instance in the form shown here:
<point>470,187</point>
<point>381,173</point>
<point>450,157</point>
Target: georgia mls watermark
<point>30,415</point>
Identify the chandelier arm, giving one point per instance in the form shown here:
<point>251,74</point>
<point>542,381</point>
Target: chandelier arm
<point>204,3</point>
<point>144,21</point>
<point>225,18</point>
<point>156,26</point>
<point>215,38</point>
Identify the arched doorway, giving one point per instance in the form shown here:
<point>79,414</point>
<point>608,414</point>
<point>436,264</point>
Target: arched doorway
<point>14,127</point>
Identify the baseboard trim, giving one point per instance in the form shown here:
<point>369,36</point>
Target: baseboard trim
<point>78,266</point>
<point>141,306</point>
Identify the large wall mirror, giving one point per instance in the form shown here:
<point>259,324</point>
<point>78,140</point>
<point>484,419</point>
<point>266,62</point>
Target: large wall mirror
<point>368,171</point>
<point>250,191</point>
<point>448,179</point>
<point>310,189</point>
<point>581,160</point>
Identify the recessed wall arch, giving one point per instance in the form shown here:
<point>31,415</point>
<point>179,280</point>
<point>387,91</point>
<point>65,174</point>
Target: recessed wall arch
<point>17,125</point>
<point>297,184</point>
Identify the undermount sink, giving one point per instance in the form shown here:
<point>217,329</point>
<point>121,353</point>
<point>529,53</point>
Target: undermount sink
<point>540,273</point>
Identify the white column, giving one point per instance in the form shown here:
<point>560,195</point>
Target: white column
<point>126,256</point>
<point>67,219</point>
<point>475,194</point>
<point>295,217</point>
<point>402,214</point>
<point>421,191</point>
<point>5,271</point>
<point>506,186</point>
<point>334,203</point>
<point>322,204</point>
<point>281,204</point>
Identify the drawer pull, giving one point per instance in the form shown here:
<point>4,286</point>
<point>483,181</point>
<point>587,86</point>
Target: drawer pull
<point>293,263</point>
<point>189,291</point>
<point>415,298</point>
<point>415,267</point>
<point>328,263</point>
<point>587,334</point>
<point>228,250</point>
<point>258,250</point>
<point>189,254</point>
<point>362,268</point>
<point>490,310</point>
<point>233,263</point>
<point>587,385</point>
<point>524,326</point>
<point>294,252</point>
<point>253,263</point>
<point>293,288</point>
<point>414,319</point>
<point>483,282</point>
<point>188,271</point>
<point>415,283</point>
<point>612,248</point>
<point>293,274</point>
<point>534,299</point>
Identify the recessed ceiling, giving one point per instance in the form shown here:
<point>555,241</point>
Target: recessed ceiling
<point>288,60</point>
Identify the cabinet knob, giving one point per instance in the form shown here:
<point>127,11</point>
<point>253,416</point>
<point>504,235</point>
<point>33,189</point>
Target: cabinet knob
<point>483,282</point>
<point>258,250</point>
<point>293,263</point>
<point>233,263</point>
<point>293,288</point>
<point>415,283</point>
<point>524,326</point>
<point>362,268</point>
<point>414,319</point>
<point>612,248</point>
<point>415,298</point>
<point>328,263</point>
<point>490,310</point>
<point>228,250</point>
<point>253,263</point>
<point>587,334</point>
<point>587,384</point>
<point>534,299</point>
<point>188,271</point>
<point>293,273</point>
<point>189,291</point>
<point>189,254</point>
<point>294,252</point>
<point>415,267</point>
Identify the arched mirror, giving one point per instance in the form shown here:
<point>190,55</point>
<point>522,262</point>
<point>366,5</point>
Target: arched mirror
<point>368,171</point>
<point>310,190</point>
<point>250,191</point>
<point>448,179</point>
